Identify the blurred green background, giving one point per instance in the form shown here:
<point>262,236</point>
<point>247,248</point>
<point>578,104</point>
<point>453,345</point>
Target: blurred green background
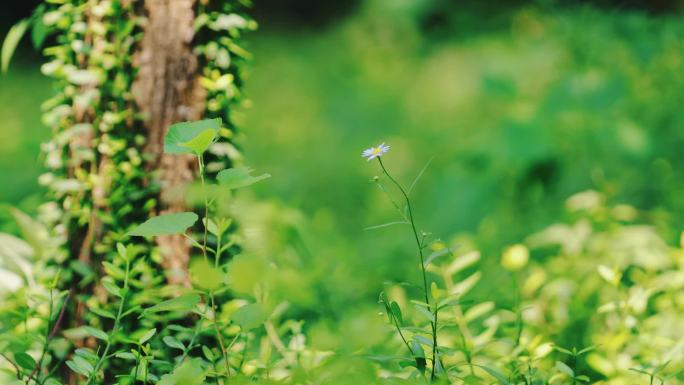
<point>519,104</point>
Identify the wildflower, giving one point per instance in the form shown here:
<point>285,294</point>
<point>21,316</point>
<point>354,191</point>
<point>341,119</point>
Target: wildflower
<point>375,152</point>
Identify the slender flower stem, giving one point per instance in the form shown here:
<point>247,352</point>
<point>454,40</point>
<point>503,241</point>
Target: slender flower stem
<point>419,245</point>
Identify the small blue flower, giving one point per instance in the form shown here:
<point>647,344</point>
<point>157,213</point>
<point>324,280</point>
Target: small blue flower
<point>375,152</point>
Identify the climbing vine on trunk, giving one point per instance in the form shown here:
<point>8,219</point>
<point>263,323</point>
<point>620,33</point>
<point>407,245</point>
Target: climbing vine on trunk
<point>124,72</point>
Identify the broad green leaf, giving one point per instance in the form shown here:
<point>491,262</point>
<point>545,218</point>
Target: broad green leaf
<point>180,135</point>
<point>201,142</point>
<point>172,342</point>
<point>10,44</point>
<point>145,337</point>
<point>165,224</point>
<point>189,372</point>
<point>184,303</point>
<point>204,275</point>
<point>238,177</point>
<point>25,361</point>
<point>249,316</point>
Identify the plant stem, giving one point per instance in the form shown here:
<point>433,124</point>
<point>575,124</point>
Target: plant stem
<point>396,324</point>
<point>219,336</point>
<point>214,310</point>
<point>100,361</point>
<point>191,343</point>
<point>16,367</point>
<point>419,245</point>
<point>200,160</point>
<point>47,336</point>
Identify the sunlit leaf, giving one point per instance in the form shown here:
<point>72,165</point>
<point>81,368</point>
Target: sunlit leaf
<point>148,334</point>
<point>200,143</point>
<point>10,43</point>
<point>181,136</point>
<point>165,224</point>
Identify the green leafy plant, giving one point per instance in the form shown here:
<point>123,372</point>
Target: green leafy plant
<point>195,138</point>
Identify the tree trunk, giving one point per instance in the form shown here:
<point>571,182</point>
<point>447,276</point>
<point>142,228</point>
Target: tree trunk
<point>167,91</point>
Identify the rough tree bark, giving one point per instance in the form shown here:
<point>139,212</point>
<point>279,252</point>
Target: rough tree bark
<point>167,91</point>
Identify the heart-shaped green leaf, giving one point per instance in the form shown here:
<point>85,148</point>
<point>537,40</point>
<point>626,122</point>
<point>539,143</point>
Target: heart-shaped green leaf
<point>191,137</point>
<point>237,177</point>
<point>166,224</point>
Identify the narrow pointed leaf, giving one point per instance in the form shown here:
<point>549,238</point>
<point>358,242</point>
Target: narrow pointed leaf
<point>184,303</point>
<point>10,43</point>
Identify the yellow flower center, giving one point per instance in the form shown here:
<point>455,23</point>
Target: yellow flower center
<point>377,151</point>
